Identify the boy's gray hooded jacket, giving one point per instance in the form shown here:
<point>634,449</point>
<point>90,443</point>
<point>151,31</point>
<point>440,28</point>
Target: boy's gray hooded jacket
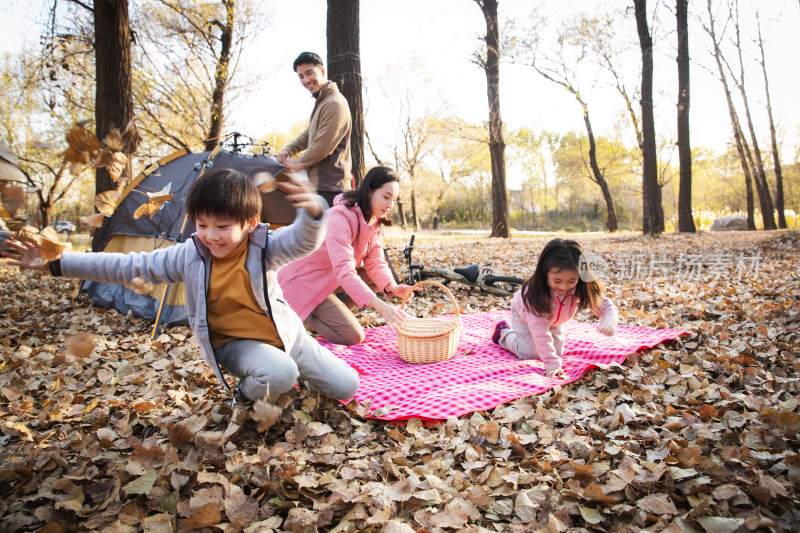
<point>190,262</point>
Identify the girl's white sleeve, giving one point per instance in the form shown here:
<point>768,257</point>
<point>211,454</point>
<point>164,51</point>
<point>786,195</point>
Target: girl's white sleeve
<point>607,311</point>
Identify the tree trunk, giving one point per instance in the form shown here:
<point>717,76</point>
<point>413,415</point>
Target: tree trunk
<point>611,220</point>
<point>497,145</point>
<point>747,165</point>
<point>401,214</point>
<point>113,97</point>
<point>759,176</point>
<point>779,202</point>
<point>652,210</point>
<point>221,76</point>
<point>749,201</point>
<point>113,100</point>
<point>414,218</point>
<point>737,130</point>
<point>762,198</point>
<point>685,219</point>
<point>344,67</point>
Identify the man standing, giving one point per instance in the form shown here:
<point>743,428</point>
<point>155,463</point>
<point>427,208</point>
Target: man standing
<point>326,141</point>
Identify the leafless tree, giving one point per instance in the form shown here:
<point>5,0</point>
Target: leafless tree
<point>685,219</point>
<point>113,96</point>
<point>217,113</point>
<point>652,209</point>
<point>759,175</point>
<point>489,61</point>
<point>738,138</point>
<point>189,61</point>
<point>779,202</point>
<point>563,70</point>
<point>416,142</point>
<point>113,93</point>
<point>379,160</point>
<point>610,48</point>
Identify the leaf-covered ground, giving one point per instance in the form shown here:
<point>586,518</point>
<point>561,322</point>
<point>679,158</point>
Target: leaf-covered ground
<point>110,430</point>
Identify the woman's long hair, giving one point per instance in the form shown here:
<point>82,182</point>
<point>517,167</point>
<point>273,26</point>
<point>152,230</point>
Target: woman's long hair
<point>558,254</point>
<point>376,178</point>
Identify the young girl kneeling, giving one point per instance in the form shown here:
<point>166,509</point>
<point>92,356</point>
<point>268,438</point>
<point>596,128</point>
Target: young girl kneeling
<point>546,301</point>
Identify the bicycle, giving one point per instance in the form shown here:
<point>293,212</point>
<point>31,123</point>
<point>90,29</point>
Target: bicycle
<point>472,276</point>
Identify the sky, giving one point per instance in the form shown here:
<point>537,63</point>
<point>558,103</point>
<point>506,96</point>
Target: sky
<point>429,45</point>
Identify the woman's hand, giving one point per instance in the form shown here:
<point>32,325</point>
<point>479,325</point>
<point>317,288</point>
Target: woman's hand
<point>394,316</point>
<point>26,254</point>
<point>401,291</point>
<point>302,196</point>
<point>293,165</point>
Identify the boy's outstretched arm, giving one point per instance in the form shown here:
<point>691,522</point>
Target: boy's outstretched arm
<point>306,233</point>
<point>165,265</point>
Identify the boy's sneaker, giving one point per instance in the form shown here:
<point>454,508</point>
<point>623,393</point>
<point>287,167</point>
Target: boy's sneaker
<point>239,396</point>
<point>498,330</point>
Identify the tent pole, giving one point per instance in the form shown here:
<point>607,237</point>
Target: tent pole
<point>156,328</point>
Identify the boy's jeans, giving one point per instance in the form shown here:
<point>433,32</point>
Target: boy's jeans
<point>264,369</point>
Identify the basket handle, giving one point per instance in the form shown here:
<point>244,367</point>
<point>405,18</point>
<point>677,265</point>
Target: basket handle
<point>436,284</point>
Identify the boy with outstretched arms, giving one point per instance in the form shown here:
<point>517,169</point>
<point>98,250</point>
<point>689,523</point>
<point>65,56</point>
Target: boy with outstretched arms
<point>235,305</point>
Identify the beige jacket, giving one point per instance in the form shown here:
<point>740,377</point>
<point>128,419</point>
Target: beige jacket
<point>326,142</point>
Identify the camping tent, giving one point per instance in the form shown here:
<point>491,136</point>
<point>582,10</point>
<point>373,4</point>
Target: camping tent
<point>12,190</point>
<point>169,225</point>
<point>9,166</point>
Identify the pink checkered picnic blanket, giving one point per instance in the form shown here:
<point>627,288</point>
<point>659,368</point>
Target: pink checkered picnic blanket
<point>481,375</point>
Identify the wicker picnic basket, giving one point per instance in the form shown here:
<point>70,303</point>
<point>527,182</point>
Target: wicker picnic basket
<point>429,340</point>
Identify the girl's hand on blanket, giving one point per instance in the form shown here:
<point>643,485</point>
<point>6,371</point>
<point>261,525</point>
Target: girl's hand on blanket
<point>302,197</point>
<point>607,328</point>
<point>24,254</point>
<point>555,373</point>
<point>394,316</point>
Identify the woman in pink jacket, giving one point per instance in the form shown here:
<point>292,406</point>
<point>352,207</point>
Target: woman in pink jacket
<point>351,260</point>
<point>560,286</point>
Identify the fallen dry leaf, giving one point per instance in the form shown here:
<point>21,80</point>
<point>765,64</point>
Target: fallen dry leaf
<point>265,181</point>
<point>81,344</point>
<point>106,202</point>
<point>154,202</point>
<point>114,140</point>
<point>49,243</point>
<point>265,414</point>
<point>131,138</point>
<point>94,220</point>
<point>113,161</point>
<point>694,435</point>
<point>207,516</point>
<point>140,285</point>
<point>13,198</point>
